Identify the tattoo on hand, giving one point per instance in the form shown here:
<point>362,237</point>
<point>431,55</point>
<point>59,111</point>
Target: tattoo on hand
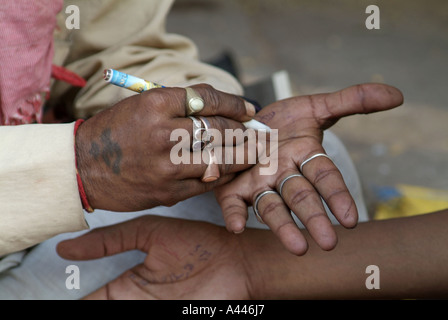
<point>195,257</point>
<point>109,151</point>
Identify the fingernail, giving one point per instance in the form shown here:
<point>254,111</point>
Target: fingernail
<point>212,173</point>
<point>238,232</point>
<point>250,109</point>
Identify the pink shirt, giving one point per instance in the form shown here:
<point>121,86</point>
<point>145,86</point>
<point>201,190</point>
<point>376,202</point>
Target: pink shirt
<point>26,56</point>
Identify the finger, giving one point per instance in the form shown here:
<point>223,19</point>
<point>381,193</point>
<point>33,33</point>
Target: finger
<point>221,131</point>
<point>234,196</point>
<point>187,188</point>
<point>234,210</point>
<point>227,159</point>
<point>329,182</point>
<point>359,99</point>
<point>101,242</point>
<point>301,197</point>
<point>277,216</point>
<point>218,103</point>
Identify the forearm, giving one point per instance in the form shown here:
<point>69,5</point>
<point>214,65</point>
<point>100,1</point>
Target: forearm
<point>409,252</point>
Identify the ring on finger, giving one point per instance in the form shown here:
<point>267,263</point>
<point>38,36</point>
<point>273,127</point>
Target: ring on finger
<point>207,137</point>
<point>257,199</point>
<point>197,144</point>
<point>194,103</point>
<point>312,158</point>
<point>280,189</point>
<point>212,173</point>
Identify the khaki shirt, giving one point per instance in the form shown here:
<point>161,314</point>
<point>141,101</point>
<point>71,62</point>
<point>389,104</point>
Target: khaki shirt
<point>38,189</point>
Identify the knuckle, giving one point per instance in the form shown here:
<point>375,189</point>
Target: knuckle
<point>212,98</point>
<point>162,135</point>
<point>233,209</point>
<point>338,193</point>
<point>170,171</point>
<point>322,174</point>
<point>300,196</point>
<point>270,209</point>
<point>158,99</point>
<point>218,123</point>
<point>168,199</point>
<point>205,86</point>
<point>309,219</point>
<point>284,226</point>
<point>226,198</point>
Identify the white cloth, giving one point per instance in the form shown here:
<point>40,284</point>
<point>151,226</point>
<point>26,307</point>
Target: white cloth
<point>38,188</point>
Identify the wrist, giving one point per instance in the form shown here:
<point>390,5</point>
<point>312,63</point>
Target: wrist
<point>81,177</point>
<point>266,263</point>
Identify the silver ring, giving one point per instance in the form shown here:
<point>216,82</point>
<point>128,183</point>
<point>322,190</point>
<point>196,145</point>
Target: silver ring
<point>257,199</point>
<point>312,158</point>
<point>197,143</point>
<point>194,102</point>
<point>286,179</point>
<point>207,137</point>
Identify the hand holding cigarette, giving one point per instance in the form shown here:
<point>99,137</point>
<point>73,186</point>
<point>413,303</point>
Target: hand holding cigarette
<point>139,85</point>
<point>125,153</point>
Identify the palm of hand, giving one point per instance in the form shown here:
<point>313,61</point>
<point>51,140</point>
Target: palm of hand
<point>185,261</point>
<point>301,122</point>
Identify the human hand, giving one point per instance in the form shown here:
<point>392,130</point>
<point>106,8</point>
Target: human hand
<point>196,260</point>
<point>124,153</point>
<point>186,259</point>
<point>301,122</point>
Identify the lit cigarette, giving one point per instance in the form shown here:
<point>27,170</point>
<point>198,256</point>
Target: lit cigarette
<point>139,85</point>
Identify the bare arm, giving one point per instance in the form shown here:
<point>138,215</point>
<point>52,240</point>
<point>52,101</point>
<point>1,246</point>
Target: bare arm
<point>196,260</point>
<point>410,253</point>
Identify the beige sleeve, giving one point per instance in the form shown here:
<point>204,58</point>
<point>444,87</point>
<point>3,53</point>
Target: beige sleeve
<point>128,36</point>
<point>38,189</point>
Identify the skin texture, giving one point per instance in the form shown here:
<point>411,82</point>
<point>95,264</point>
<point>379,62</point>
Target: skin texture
<point>197,260</point>
<point>124,161</point>
<point>301,122</point>
<point>123,153</point>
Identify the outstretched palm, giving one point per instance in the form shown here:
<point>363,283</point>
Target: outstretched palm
<point>186,260</point>
<point>301,122</point>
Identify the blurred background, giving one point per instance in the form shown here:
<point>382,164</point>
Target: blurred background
<point>325,46</point>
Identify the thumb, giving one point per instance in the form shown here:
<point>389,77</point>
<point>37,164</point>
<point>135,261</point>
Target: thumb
<point>360,99</point>
<point>101,242</point>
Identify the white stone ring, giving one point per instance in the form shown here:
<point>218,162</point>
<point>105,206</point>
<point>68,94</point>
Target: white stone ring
<point>194,103</point>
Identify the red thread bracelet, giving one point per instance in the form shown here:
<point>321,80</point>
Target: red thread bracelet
<point>82,192</point>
